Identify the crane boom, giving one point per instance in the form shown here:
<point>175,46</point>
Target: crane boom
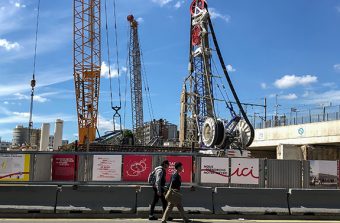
<point>135,70</point>
<point>87,66</point>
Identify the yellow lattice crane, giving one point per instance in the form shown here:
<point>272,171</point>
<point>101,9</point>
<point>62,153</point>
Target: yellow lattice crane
<point>87,62</point>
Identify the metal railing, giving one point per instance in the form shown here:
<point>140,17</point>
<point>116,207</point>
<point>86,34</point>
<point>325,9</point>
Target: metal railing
<point>297,117</point>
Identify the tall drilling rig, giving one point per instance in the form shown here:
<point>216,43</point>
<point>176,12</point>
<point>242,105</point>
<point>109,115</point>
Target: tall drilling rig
<point>135,70</point>
<point>199,125</point>
<point>87,62</point>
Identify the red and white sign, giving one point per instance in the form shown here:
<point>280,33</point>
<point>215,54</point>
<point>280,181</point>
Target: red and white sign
<point>137,168</point>
<point>187,167</point>
<point>244,171</point>
<point>107,168</point>
<point>214,170</point>
<point>63,167</point>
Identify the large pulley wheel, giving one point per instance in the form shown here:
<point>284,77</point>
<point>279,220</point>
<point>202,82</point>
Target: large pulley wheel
<point>244,132</point>
<point>212,132</point>
<point>197,6</point>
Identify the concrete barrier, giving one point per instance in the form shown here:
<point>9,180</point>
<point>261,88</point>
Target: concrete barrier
<point>27,199</point>
<point>315,202</point>
<point>250,201</point>
<point>196,201</point>
<point>97,199</point>
<point>144,199</point>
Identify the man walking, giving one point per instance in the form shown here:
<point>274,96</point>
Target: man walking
<point>158,188</point>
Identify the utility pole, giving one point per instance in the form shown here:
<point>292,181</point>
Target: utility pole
<point>265,110</point>
<point>276,110</point>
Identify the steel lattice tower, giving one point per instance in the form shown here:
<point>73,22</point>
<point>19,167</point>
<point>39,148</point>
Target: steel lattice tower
<point>135,70</point>
<point>87,62</point>
<point>197,90</point>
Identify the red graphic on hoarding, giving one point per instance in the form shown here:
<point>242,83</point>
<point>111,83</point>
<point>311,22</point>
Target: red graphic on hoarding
<point>137,168</point>
<point>18,174</point>
<point>63,167</point>
<point>187,167</point>
<point>238,172</point>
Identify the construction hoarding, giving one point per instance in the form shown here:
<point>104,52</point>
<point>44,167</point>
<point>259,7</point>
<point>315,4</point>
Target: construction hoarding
<point>14,167</point>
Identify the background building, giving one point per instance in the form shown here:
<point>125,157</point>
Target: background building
<point>4,145</point>
<point>20,137</point>
<point>159,131</point>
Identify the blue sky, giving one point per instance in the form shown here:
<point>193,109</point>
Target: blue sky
<point>288,47</point>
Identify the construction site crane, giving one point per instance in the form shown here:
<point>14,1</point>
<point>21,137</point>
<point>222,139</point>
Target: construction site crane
<point>199,124</point>
<point>135,70</point>
<point>87,66</point>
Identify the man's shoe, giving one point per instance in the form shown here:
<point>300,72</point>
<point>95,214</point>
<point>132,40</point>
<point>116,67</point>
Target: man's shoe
<point>153,218</point>
<point>163,221</point>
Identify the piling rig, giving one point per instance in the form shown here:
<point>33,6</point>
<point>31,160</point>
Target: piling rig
<point>199,124</point>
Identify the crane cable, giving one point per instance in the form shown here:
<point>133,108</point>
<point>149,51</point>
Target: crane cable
<point>117,108</point>
<point>126,78</point>
<point>146,87</point>
<point>33,81</point>
<point>108,48</point>
<point>231,86</point>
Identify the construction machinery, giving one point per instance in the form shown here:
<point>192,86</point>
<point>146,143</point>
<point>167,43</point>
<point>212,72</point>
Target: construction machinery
<point>87,66</point>
<point>135,71</point>
<point>199,124</point>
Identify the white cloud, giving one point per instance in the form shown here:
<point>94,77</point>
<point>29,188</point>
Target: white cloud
<point>37,98</point>
<point>230,68</point>
<point>8,46</point>
<point>329,85</point>
<point>140,20</point>
<point>19,5</point>
<point>306,94</point>
<point>6,102</point>
<point>289,81</point>
<point>114,72</point>
<point>323,97</point>
<point>106,124</point>
<point>337,8</point>
<point>214,14</point>
<point>22,117</point>
<point>162,2</point>
<point>45,78</point>
<point>288,97</point>
<point>263,85</point>
<point>336,67</point>
<point>178,4</point>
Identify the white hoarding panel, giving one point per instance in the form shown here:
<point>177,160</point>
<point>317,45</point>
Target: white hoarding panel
<point>214,170</point>
<point>244,171</point>
<point>107,168</point>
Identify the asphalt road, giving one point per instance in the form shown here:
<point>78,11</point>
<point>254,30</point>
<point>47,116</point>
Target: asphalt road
<point>144,220</point>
